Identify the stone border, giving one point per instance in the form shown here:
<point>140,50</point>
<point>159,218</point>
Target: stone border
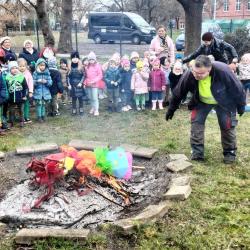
<point>27,236</point>
<point>37,148</point>
<point>133,149</point>
<point>2,155</point>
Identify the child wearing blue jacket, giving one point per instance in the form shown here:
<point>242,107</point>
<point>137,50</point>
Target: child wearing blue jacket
<point>112,79</point>
<point>42,82</point>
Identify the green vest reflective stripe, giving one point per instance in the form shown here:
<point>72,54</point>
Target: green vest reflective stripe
<point>205,93</point>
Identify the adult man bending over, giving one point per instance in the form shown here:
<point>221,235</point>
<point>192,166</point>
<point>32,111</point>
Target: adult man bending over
<point>214,86</point>
<point>215,47</point>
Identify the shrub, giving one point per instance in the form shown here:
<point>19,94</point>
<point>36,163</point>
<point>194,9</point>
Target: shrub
<point>240,39</point>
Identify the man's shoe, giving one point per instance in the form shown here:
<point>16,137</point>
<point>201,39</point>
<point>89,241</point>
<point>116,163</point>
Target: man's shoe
<point>197,157</point>
<point>229,159</point>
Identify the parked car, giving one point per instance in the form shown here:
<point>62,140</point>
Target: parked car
<point>116,26</point>
<point>206,27</point>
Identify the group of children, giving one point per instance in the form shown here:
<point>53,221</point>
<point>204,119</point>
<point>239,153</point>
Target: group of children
<point>129,83</point>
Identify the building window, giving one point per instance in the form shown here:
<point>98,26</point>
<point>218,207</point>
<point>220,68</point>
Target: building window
<point>182,25</point>
<point>238,3</point>
<point>225,5</point>
<point>248,5</point>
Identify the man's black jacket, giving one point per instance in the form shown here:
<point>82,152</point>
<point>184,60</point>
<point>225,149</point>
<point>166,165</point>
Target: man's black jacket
<point>225,87</point>
<point>218,49</point>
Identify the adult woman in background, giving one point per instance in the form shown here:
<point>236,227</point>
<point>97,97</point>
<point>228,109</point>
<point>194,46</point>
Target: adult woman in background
<point>163,45</point>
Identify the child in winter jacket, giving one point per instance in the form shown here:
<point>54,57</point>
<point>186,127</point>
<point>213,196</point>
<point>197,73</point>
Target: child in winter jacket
<point>64,74</point>
<point>42,82</point>
<point>17,88</point>
<point>76,78</point>
<point>112,79</point>
<point>23,68</point>
<point>56,88</point>
<point>175,75</point>
<point>93,81</point>
<point>3,98</point>
<point>244,73</point>
<point>165,67</point>
<point>125,87</point>
<point>139,85</point>
<point>157,84</point>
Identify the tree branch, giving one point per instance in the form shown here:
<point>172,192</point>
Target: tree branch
<point>33,5</point>
<point>4,7</point>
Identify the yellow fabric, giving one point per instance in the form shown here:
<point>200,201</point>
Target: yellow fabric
<point>205,93</point>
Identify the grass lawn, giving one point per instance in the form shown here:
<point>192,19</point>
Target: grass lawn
<point>217,214</point>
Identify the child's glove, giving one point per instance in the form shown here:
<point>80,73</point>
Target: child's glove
<point>79,85</point>
<point>122,90</point>
<point>116,83</point>
<point>69,87</point>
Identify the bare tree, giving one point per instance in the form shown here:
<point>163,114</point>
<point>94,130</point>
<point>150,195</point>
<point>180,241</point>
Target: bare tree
<point>193,19</point>
<point>210,8</point>
<point>42,16</point>
<point>65,40</point>
<point>81,8</point>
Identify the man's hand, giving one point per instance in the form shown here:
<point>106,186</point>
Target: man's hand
<point>169,114</point>
<point>241,110</point>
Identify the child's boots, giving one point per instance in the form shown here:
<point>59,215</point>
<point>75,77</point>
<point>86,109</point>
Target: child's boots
<point>160,104</point>
<point>153,105</point>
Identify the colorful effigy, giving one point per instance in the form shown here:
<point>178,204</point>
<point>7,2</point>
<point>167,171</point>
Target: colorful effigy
<point>102,163</point>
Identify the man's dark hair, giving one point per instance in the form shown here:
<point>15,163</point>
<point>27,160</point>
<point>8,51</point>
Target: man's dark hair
<point>203,61</point>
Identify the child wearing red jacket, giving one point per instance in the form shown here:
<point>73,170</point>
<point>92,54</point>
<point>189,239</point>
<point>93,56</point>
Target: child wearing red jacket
<point>157,84</point>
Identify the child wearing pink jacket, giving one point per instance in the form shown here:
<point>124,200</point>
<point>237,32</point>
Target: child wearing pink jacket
<point>23,68</point>
<point>139,85</point>
<point>93,81</point>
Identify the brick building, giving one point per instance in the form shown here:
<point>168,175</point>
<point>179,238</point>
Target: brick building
<point>228,9</point>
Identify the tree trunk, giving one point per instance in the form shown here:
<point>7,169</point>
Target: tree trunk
<point>193,21</point>
<point>43,19</point>
<point>65,40</point>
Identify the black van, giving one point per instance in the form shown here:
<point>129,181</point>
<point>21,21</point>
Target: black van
<point>116,26</point>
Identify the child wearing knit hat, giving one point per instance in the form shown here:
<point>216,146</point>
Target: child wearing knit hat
<point>17,88</point>
<point>134,58</point>
<point>63,69</point>
<point>112,79</point>
<point>76,77</point>
<point>23,68</point>
<point>42,82</point>
<point>56,89</point>
<point>139,85</point>
<point>93,81</point>
<point>126,93</point>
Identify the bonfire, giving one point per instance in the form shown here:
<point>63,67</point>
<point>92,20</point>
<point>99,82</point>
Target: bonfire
<point>102,166</point>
